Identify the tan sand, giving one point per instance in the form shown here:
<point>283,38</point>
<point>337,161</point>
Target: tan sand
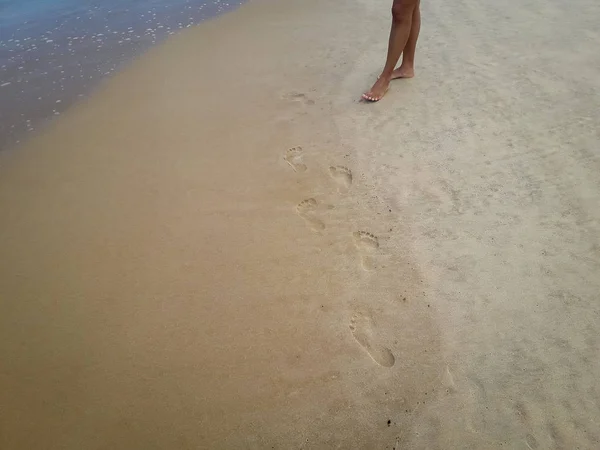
<point>169,281</point>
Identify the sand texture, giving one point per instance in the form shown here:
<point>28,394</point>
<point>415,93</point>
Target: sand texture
<point>224,249</point>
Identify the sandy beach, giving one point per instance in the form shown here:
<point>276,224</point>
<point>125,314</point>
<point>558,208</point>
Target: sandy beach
<point>54,53</point>
<point>224,249</point>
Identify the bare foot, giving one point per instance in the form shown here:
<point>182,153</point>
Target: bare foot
<point>378,90</point>
<point>403,72</point>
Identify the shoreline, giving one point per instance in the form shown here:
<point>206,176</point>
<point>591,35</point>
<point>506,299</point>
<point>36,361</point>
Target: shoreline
<point>50,63</point>
<point>173,276</point>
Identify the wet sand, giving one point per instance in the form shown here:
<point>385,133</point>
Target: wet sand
<point>420,273</point>
<point>53,53</point>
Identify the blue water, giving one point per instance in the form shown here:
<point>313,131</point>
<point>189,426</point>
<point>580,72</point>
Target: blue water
<point>53,52</point>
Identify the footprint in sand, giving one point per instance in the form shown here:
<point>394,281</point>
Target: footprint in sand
<point>366,242</point>
<point>531,441</point>
<point>362,329</point>
<point>342,175</point>
<point>294,158</point>
<point>307,209</point>
<point>298,97</point>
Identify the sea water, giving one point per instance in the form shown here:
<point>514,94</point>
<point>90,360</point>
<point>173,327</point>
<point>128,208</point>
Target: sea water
<point>53,52</point>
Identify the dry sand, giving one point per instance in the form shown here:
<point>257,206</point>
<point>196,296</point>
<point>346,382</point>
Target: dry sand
<point>169,281</point>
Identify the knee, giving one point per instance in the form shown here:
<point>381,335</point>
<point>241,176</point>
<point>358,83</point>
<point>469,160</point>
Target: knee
<point>402,11</point>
